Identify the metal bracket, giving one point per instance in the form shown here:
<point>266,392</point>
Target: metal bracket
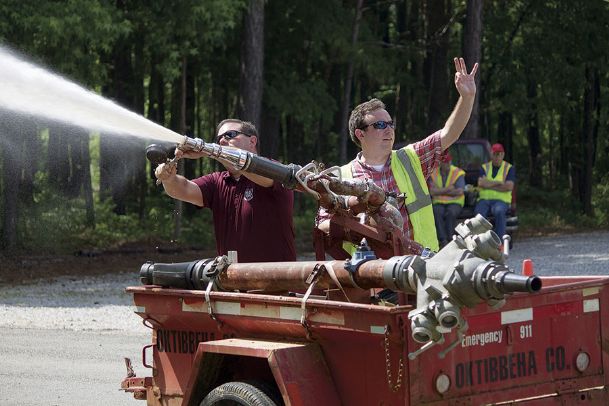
<point>362,254</point>
<point>303,176</point>
<point>219,265</point>
<point>311,280</point>
<point>144,360</point>
<point>130,371</point>
<point>334,170</point>
<point>460,334</point>
<point>414,354</point>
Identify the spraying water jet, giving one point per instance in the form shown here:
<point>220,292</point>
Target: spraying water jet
<point>30,89</point>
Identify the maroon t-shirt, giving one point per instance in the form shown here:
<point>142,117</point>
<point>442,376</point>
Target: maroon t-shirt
<point>253,220</point>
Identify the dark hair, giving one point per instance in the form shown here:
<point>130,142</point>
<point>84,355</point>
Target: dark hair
<point>356,120</point>
<point>244,126</point>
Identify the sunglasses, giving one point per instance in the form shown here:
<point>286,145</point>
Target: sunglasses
<point>230,134</point>
<point>380,125</point>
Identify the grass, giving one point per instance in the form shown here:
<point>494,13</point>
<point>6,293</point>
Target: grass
<point>542,212</point>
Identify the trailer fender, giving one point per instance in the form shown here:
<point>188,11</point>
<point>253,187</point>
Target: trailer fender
<point>299,369</point>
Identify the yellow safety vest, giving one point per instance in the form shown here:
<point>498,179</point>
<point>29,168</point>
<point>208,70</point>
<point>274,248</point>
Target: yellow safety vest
<point>490,194</point>
<point>453,174</point>
<point>408,175</point>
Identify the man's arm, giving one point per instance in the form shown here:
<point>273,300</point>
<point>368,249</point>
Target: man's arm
<point>177,186</point>
<point>466,86</point>
<point>485,183</point>
<point>497,185</point>
<point>508,186</point>
<point>259,180</point>
<point>436,191</point>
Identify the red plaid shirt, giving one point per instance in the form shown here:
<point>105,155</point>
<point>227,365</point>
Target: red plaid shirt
<point>428,150</point>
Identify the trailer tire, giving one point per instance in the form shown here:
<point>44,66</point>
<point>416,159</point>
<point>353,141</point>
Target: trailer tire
<point>237,393</point>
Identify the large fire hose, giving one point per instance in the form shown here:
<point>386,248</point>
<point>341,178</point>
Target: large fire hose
<point>468,271</point>
<point>326,185</point>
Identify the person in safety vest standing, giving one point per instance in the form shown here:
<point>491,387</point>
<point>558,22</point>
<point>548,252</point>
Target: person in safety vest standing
<point>404,171</point>
<point>496,184</point>
<point>446,186</point>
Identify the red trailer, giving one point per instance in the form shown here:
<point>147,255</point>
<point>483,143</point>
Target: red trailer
<point>466,331</point>
<point>547,348</point>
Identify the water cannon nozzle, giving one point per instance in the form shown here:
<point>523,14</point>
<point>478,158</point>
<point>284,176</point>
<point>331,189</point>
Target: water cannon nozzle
<point>159,154</point>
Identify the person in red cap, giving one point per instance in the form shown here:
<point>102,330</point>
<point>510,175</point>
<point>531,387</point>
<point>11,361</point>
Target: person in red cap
<point>496,184</point>
<point>446,186</point>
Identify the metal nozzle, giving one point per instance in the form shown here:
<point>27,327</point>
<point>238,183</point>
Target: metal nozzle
<point>487,246</point>
<point>192,144</point>
<point>473,226</point>
<point>447,314</point>
<point>159,154</point>
<point>424,328</point>
<point>238,158</point>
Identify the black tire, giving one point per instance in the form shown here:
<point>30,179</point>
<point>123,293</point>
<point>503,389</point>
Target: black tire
<point>237,393</point>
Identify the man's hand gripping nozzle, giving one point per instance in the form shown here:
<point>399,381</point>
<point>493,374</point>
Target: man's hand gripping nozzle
<point>168,157</point>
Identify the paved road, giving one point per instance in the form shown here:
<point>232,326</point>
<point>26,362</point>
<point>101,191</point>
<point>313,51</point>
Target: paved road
<point>576,254</point>
<point>62,343</point>
<point>66,368</point>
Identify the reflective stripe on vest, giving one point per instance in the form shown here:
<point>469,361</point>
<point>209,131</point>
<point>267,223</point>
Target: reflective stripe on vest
<point>409,177</point>
<point>490,194</point>
<point>345,173</point>
<point>453,174</point>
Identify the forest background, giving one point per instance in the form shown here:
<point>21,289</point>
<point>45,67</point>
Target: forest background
<point>296,68</point>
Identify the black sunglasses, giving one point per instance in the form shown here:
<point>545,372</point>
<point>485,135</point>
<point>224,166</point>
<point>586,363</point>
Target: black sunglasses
<point>380,125</point>
<point>230,134</point>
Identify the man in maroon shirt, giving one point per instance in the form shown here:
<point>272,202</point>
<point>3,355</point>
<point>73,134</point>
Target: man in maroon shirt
<point>252,214</point>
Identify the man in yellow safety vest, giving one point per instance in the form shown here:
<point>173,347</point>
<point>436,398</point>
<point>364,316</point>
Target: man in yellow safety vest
<point>446,185</point>
<point>404,171</point>
<point>496,184</point>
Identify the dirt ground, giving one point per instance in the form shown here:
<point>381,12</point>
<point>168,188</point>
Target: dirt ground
<point>18,268</point>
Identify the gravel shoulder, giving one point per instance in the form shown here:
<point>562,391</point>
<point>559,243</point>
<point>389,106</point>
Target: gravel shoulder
<point>572,254</point>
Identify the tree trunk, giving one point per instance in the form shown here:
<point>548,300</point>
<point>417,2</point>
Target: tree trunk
<point>472,53</point>
<point>33,149</point>
<point>179,205</point>
<point>58,160</point>
<point>12,162</point>
<point>271,137</point>
<point>589,135</point>
<point>156,93</point>
<point>563,163</point>
<point>123,163</point>
<point>87,189</point>
<point>346,102</point>
<point>535,176</point>
<point>505,131</point>
<point>156,109</point>
<point>573,145</point>
<point>436,67</point>
<point>408,108</point>
<point>251,80</point>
